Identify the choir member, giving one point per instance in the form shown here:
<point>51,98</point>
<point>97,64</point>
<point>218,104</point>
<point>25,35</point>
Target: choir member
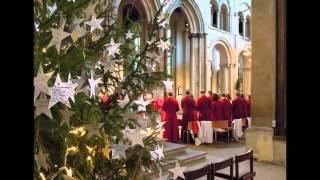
<point>188,106</point>
<point>171,107</point>
<point>204,107</point>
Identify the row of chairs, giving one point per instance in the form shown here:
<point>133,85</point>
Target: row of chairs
<point>211,170</point>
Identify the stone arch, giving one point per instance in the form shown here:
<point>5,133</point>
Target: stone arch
<point>220,68</point>
<point>244,71</point>
<point>191,11</point>
<point>224,43</point>
<point>149,8</point>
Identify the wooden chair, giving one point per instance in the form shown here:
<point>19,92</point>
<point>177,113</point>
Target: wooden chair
<point>221,126</point>
<point>198,173</point>
<point>248,156</point>
<point>222,165</point>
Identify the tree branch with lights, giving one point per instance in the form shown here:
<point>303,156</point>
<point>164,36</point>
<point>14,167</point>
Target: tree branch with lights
<point>87,84</point>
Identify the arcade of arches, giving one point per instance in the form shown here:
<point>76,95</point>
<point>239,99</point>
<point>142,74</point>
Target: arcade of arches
<point>217,45</point>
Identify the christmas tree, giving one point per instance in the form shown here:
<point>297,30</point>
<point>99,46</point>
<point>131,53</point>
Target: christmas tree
<point>92,120</point>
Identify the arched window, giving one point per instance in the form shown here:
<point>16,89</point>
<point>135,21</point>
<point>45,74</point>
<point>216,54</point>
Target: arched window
<point>240,24</point>
<point>248,27</point>
<point>214,15</point>
<point>224,18</point>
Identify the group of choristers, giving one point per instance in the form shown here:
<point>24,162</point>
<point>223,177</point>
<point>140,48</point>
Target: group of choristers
<point>205,108</point>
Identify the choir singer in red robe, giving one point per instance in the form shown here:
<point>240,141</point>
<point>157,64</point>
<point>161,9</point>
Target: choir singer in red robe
<point>204,107</point>
<point>188,106</point>
<point>171,107</point>
<point>226,109</point>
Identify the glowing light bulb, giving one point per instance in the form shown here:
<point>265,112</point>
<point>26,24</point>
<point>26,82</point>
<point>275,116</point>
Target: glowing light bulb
<point>44,50</point>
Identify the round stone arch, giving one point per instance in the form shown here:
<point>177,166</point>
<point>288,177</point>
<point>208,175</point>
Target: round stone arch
<point>147,8</point>
<point>191,11</point>
<point>220,80</point>
<point>244,70</point>
<point>226,44</point>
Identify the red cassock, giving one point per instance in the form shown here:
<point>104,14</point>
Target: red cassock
<point>158,104</point>
<point>227,110</point>
<point>217,110</point>
<point>205,109</point>
<point>171,107</point>
<point>188,105</point>
<point>244,107</point>
<point>237,109</point>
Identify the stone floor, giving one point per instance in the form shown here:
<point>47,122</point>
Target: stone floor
<point>265,171</point>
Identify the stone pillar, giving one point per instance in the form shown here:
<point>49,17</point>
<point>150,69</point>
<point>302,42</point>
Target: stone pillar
<point>224,78</point>
<point>244,27</point>
<point>246,80</point>
<point>202,62</point>
<point>204,59</point>
<point>260,136</point>
<point>192,62</point>
<point>187,67</point>
<point>218,19</point>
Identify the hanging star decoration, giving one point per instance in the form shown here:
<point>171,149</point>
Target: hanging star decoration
<point>69,82</point>
<point>160,124</point>
<point>119,150</point>
<point>90,10</point>
<point>93,84</point>
<point>136,138</point>
<point>61,92</point>
<point>177,171</point>
<point>58,35</point>
<point>124,102</point>
<point>94,23</point>
<point>129,35</point>
<point>52,9</point>
<point>158,152</point>
<point>41,82</point>
<point>66,114</point>
<point>164,45</point>
<point>151,67</point>
<point>41,158</point>
<point>41,105</point>
<point>36,25</point>
<point>93,129</point>
<point>113,48</point>
<point>169,85</point>
<point>142,104</point>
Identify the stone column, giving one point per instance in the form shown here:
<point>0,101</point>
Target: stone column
<point>218,19</point>
<point>224,78</point>
<point>260,136</point>
<point>204,59</point>
<point>246,80</point>
<point>194,69</point>
<point>187,67</point>
<point>244,27</point>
